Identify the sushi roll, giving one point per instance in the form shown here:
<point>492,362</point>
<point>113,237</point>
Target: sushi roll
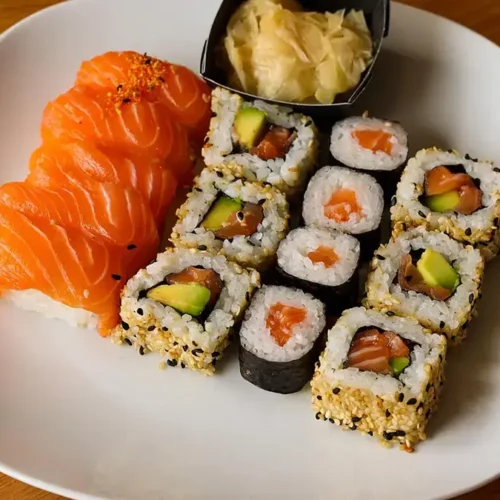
<point>280,339</point>
<point>261,142</point>
<point>341,199</point>
<point>243,220</point>
<point>455,194</point>
<point>379,375</point>
<point>379,147</point>
<point>184,306</point>
<point>322,262</point>
<point>430,277</point>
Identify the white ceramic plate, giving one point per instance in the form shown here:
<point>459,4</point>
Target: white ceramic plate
<point>84,418</point>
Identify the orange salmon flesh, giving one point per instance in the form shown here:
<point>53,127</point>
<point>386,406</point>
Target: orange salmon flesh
<point>342,204</point>
<point>281,319</point>
<point>325,255</point>
<point>374,140</point>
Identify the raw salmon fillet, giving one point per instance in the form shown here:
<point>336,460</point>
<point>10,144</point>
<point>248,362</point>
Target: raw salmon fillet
<point>57,163</point>
<point>131,74</point>
<point>65,264</point>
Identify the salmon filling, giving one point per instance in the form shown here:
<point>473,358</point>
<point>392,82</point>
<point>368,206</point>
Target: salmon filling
<point>374,140</point>
<point>382,352</point>
<point>323,255</point>
<point>243,222</point>
<point>281,320</point>
<point>205,277</point>
<point>446,180</point>
<point>342,206</point>
<point>275,144</point>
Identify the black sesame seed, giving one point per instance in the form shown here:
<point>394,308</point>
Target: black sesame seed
<point>206,139</point>
<point>390,313</point>
<point>308,123</point>
<point>380,257</point>
<point>387,413</point>
<point>240,215</point>
<point>393,201</point>
<point>199,190</point>
<point>151,328</point>
<point>116,277</point>
<point>353,427</point>
<point>267,184</point>
<point>176,343</point>
<point>370,433</point>
<point>183,365</point>
<point>131,247</point>
<point>126,100</point>
<point>195,352</point>
<point>468,231</point>
<point>164,328</point>
<point>318,415</point>
<point>356,419</point>
<point>162,80</point>
<point>195,344</point>
<point>496,169</point>
<point>450,151</point>
<point>185,348</point>
<point>220,174</point>
<point>172,362</point>
<point>125,326</point>
<point>399,433</point>
<point>128,341</point>
<point>214,362</point>
<point>141,350</point>
<point>119,87</point>
<point>411,401</point>
<point>421,214</point>
<point>202,247</point>
<point>215,354</point>
<point>247,296</point>
<point>261,202</point>
<point>140,312</point>
<point>336,390</point>
<point>442,324</point>
<point>319,398</point>
<point>428,386</point>
<point>331,420</point>
<point>143,294</point>
<point>471,298</point>
<point>387,435</point>
<point>147,61</point>
<point>467,156</point>
<point>401,397</point>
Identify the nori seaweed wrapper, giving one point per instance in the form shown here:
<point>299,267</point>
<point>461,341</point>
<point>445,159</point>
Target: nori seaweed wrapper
<point>369,243</point>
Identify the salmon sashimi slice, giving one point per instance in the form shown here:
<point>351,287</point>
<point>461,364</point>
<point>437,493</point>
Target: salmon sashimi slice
<point>324,255</point>
<point>275,144</point>
<point>244,222</point>
<point>114,214</point>
<point>410,279</point>
<point>205,277</point>
<point>136,75</point>
<point>374,140</point>
<point>471,199</point>
<point>65,264</point>
<point>396,345</point>
<point>440,180</point>
<point>281,319</point>
<point>136,127</point>
<point>56,163</point>
<point>343,206</point>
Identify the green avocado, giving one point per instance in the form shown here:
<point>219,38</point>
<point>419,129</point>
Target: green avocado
<point>220,212</point>
<point>190,298</point>
<point>249,125</point>
<point>398,365</point>
<point>443,202</point>
<point>436,270</point>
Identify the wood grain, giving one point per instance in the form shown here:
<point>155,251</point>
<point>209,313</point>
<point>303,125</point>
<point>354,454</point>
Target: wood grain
<point>482,16</point>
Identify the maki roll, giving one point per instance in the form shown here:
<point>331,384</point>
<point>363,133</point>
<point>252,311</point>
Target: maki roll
<point>430,277</point>
<point>455,194</point>
<point>183,306</point>
<point>379,147</point>
<point>345,200</point>
<point>279,339</point>
<point>379,375</point>
<point>243,220</point>
<point>261,142</point>
<point>322,262</point>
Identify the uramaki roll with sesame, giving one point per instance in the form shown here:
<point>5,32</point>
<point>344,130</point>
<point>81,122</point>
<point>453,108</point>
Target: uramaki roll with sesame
<point>243,220</point>
<point>455,194</point>
<point>430,277</point>
<point>184,307</point>
<point>380,375</point>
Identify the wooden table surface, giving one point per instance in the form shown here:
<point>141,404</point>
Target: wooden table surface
<point>482,16</point>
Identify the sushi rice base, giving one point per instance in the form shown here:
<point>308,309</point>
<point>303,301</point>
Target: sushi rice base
<point>256,338</point>
<point>291,170</point>
<point>411,187</point>
<point>346,149</point>
<point>413,379</point>
<point>246,249</point>
<point>328,180</point>
<point>293,250</point>
<point>237,283</point>
<point>467,261</point>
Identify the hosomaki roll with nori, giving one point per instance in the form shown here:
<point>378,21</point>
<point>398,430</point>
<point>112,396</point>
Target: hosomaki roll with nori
<point>241,219</point>
<point>184,306</point>
<point>429,276</point>
<point>280,339</point>
<point>261,142</point>
<point>455,194</point>
<point>348,201</point>
<point>322,262</point>
<point>380,375</point>
<point>378,147</point>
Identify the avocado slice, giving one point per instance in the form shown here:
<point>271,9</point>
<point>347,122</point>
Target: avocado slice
<point>220,212</point>
<point>249,125</point>
<point>436,270</point>
<point>190,298</point>
<point>443,202</point>
<point>398,365</point>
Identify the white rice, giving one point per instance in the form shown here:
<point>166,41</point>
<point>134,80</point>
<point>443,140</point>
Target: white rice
<point>346,149</point>
<point>289,172</point>
<point>326,182</point>
<point>247,250</point>
<point>411,382</point>
<point>293,250</point>
<point>237,283</point>
<point>466,260</point>
<point>256,338</point>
